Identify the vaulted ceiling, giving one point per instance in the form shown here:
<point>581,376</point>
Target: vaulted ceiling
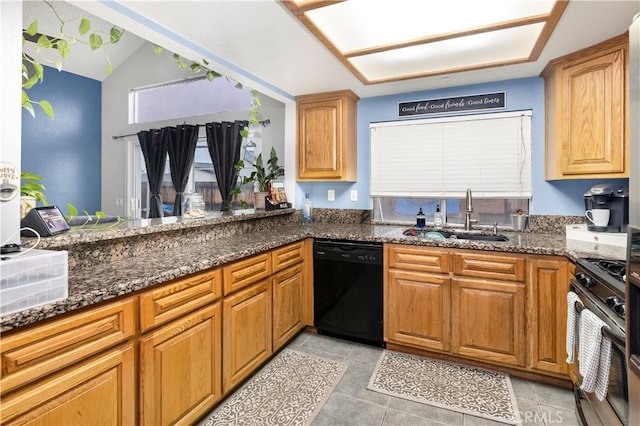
<point>271,44</point>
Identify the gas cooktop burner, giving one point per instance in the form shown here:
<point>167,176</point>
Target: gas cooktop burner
<point>611,273</point>
<point>614,268</point>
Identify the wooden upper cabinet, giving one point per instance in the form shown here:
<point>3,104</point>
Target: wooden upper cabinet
<point>587,113</point>
<point>327,137</point>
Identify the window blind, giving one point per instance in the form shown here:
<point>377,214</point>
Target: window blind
<point>442,157</point>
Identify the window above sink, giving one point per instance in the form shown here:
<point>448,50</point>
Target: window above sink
<point>403,210</point>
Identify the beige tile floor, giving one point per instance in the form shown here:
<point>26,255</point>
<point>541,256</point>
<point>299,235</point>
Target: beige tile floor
<point>352,404</point>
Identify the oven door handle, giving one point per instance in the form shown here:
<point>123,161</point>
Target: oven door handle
<point>606,332</point>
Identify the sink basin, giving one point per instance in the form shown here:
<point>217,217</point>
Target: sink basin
<point>479,237</point>
<point>453,235</point>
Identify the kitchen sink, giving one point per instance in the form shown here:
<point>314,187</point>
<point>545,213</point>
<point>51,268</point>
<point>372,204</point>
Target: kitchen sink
<point>454,235</point>
<point>479,237</point>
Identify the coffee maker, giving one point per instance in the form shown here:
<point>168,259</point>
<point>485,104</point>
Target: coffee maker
<point>613,197</point>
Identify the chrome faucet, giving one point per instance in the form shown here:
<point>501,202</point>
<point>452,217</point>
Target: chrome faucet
<point>467,219</point>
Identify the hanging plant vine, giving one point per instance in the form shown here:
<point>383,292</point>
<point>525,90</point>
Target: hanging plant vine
<point>32,69</point>
<point>200,68</point>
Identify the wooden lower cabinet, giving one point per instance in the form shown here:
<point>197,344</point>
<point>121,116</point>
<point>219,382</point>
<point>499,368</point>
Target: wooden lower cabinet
<point>97,391</point>
<point>417,309</point>
<point>180,368</point>
<point>548,287</point>
<point>288,303</point>
<point>488,320</point>
<point>247,333</point>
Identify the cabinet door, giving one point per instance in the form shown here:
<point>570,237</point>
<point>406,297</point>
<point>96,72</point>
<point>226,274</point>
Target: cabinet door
<point>594,115</point>
<point>180,368</point>
<point>288,304</point>
<point>246,332</point>
<point>488,320</point>
<point>98,391</point>
<point>548,287</point>
<point>417,309</point>
<point>327,136</point>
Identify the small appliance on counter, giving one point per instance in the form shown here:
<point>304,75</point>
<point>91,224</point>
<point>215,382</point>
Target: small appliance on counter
<point>614,198</point>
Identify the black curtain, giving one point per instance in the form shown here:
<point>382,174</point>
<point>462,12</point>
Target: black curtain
<point>182,149</point>
<point>224,142</point>
<point>154,149</point>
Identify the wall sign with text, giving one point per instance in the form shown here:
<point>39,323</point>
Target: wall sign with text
<point>496,100</point>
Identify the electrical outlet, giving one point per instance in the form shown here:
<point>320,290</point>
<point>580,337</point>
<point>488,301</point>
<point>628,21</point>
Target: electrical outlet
<point>354,195</point>
<point>331,195</point>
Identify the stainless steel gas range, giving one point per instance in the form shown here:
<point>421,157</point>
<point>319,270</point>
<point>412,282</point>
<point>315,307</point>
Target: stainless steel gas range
<point>600,286</point>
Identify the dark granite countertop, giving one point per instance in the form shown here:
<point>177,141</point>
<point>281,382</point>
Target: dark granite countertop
<point>102,282</point>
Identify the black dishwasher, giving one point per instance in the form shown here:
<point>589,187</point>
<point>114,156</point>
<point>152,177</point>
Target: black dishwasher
<point>347,290</point>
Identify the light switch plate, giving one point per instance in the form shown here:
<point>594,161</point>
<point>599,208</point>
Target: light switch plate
<point>331,195</point>
<point>354,195</point>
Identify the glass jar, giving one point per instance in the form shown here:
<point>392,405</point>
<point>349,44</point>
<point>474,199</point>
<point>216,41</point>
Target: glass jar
<point>192,205</point>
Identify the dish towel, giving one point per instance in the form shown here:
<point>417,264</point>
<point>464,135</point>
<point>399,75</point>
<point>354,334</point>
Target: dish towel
<point>594,354</point>
<point>572,298</point>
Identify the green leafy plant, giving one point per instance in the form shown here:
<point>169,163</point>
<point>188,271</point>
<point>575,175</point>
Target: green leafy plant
<point>32,186</point>
<point>261,175</point>
<point>32,69</point>
<point>95,221</point>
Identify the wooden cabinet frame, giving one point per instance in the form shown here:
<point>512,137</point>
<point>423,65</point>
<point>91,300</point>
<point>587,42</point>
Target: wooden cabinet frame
<point>587,113</point>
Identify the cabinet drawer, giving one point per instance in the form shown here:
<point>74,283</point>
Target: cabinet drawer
<point>42,350</point>
<point>509,268</point>
<point>245,272</point>
<point>419,259</point>
<point>284,257</point>
<point>179,297</point>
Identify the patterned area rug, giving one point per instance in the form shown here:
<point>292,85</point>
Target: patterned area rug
<point>456,387</point>
<point>290,390</point>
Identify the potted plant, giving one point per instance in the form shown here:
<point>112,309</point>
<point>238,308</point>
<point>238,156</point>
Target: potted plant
<point>31,191</point>
<point>262,176</point>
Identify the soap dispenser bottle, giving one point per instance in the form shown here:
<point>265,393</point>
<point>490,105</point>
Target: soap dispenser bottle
<point>307,209</point>
<point>420,219</point>
<point>437,217</point>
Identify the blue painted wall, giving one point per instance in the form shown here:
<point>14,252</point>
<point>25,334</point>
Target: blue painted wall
<point>549,198</point>
<point>66,151</point>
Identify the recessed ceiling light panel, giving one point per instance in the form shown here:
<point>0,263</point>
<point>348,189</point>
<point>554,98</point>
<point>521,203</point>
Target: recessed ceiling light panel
<point>382,41</point>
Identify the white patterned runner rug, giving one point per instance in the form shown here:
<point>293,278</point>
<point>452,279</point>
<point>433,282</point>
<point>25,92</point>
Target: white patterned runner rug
<point>290,390</point>
<point>469,390</point>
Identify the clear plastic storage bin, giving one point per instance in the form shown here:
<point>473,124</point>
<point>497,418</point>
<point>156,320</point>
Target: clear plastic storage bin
<point>34,278</point>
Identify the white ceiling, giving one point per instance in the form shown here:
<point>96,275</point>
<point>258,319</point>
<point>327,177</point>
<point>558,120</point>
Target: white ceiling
<point>260,42</point>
